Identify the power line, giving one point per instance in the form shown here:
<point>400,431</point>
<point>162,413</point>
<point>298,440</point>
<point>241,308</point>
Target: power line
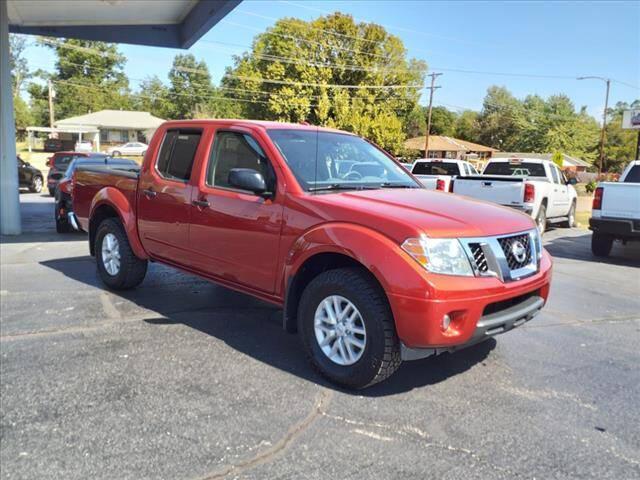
<point>327,85</point>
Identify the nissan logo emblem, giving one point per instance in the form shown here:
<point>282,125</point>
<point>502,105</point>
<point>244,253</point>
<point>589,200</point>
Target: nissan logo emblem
<point>519,251</point>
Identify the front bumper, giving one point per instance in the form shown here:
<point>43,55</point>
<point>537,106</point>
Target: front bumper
<point>478,307</point>
<point>617,227</point>
<point>488,326</point>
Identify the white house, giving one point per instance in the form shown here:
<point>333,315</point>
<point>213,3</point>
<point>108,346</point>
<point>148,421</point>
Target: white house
<point>115,126</point>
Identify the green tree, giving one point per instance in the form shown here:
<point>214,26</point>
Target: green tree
<point>88,76</point>
<point>17,62</point>
<point>190,87</point>
<point>466,127</point>
<point>620,147</point>
<point>153,97</point>
<point>443,121</point>
<point>311,61</point>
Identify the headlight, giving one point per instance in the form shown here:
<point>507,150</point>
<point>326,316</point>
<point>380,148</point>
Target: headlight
<point>439,255</point>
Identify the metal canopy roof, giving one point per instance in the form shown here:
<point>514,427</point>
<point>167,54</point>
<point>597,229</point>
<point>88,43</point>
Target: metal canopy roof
<point>160,23</point>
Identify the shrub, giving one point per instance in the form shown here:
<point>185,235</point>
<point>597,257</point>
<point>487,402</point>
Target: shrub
<point>590,187</point>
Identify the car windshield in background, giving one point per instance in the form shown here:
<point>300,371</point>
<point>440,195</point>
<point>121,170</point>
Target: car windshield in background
<point>335,161</point>
<point>634,175</point>
<point>435,168</point>
<point>515,169</point>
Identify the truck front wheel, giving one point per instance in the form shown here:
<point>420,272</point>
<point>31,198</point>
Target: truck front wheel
<point>347,328</point>
<point>118,267</point>
<point>601,244</point>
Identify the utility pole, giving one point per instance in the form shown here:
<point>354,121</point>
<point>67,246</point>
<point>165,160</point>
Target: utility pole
<point>52,94</point>
<point>428,132</point>
<point>604,117</point>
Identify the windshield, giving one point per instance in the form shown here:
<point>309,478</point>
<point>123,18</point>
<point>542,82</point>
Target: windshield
<point>435,168</point>
<point>515,169</point>
<point>327,161</point>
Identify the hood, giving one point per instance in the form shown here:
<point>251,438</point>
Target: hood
<point>400,213</point>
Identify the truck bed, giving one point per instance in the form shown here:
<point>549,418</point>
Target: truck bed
<point>620,200</point>
<point>504,190</point>
<point>88,181</point>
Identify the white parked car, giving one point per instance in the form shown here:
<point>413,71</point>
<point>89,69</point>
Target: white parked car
<point>616,211</point>
<point>84,146</point>
<point>131,148</point>
<point>436,174</point>
<point>537,187</point>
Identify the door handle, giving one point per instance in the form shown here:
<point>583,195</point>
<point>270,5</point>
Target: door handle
<point>200,203</point>
<point>149,193</point>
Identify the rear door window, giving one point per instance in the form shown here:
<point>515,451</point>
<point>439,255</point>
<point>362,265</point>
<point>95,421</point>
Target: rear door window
<point>554,174</point>
<point>177,154</point>
<point>634,175</point>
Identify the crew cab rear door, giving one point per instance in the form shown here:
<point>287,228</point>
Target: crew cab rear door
<point>164,196</point>
<point>235,234</point>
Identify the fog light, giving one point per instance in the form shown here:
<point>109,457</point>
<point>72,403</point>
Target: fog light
<point>446,321</point>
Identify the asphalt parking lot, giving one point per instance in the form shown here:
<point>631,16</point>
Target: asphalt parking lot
<point>182,379</point>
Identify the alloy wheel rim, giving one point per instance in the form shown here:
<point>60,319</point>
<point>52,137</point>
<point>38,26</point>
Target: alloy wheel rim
<point>339,330</point>
<point>38,184</point>
<point>111,254</point>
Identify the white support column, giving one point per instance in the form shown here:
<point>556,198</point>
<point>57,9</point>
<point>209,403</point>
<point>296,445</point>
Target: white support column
<point>96,141</point>
<point>30,140</point>
<point>9,194</point>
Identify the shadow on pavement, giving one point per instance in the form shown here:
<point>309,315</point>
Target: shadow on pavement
<point>579,248</point>
<point>254,328</point>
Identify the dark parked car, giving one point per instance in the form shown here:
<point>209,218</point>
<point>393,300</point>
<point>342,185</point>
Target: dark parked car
<point>29,176</point>
<point>63,196</point>
<point>59,162</point>
<point>53,145</point>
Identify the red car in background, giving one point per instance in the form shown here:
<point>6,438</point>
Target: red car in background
<point>58,164</point>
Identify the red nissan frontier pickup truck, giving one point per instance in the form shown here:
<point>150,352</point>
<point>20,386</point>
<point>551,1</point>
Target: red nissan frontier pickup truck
<point>369,267</point>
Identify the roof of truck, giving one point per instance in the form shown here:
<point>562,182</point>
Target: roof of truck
<point>267,125</point>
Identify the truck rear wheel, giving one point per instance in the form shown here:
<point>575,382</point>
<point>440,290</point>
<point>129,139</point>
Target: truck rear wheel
<point>571,217</point>
<point>601,244</point>
<point>541,219</point>
<point>347,328</point>
<point>118,267</point>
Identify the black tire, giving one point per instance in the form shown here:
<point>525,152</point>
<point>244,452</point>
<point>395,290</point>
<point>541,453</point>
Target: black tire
<point>52,192</point>
<point>132,269</point>
<point>601,244</point>
<point>62,226</point>
<point>541,219</point>
<point>381,355</point>
<point>571,217</point>
<point>144,153</point>
<point>36,184</point>
<point>116,154</point>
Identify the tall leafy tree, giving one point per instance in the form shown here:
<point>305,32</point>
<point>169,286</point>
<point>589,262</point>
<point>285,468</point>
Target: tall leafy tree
<point>310,61</point>
<point>88,76</point>
<point>620,148</point>
<point>466,127</point>
<point>20,73</point>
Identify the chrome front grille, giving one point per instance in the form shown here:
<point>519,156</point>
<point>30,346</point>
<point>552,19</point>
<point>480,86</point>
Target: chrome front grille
<point>507,257</point>
<point>511,246</point>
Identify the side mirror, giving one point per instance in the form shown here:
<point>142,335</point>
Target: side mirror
<point>572,181</point>
<point>248,179</point>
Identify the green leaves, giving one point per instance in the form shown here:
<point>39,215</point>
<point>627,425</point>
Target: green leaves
<point>309,57</point>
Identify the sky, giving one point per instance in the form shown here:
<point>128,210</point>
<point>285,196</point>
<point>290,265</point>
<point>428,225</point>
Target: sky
<point>532,39</point>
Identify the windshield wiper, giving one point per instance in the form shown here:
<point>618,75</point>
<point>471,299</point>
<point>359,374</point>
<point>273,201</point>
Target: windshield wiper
<point>343,186</point>
<point>397,185</point>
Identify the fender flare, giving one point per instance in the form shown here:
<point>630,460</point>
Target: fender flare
<point>382,257</point>
<point>115,199</point>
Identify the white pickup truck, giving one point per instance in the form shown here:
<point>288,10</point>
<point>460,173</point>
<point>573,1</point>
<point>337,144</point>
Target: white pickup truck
<point>436,174</point>
<point>537,187</point>
<point>615,214</point>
